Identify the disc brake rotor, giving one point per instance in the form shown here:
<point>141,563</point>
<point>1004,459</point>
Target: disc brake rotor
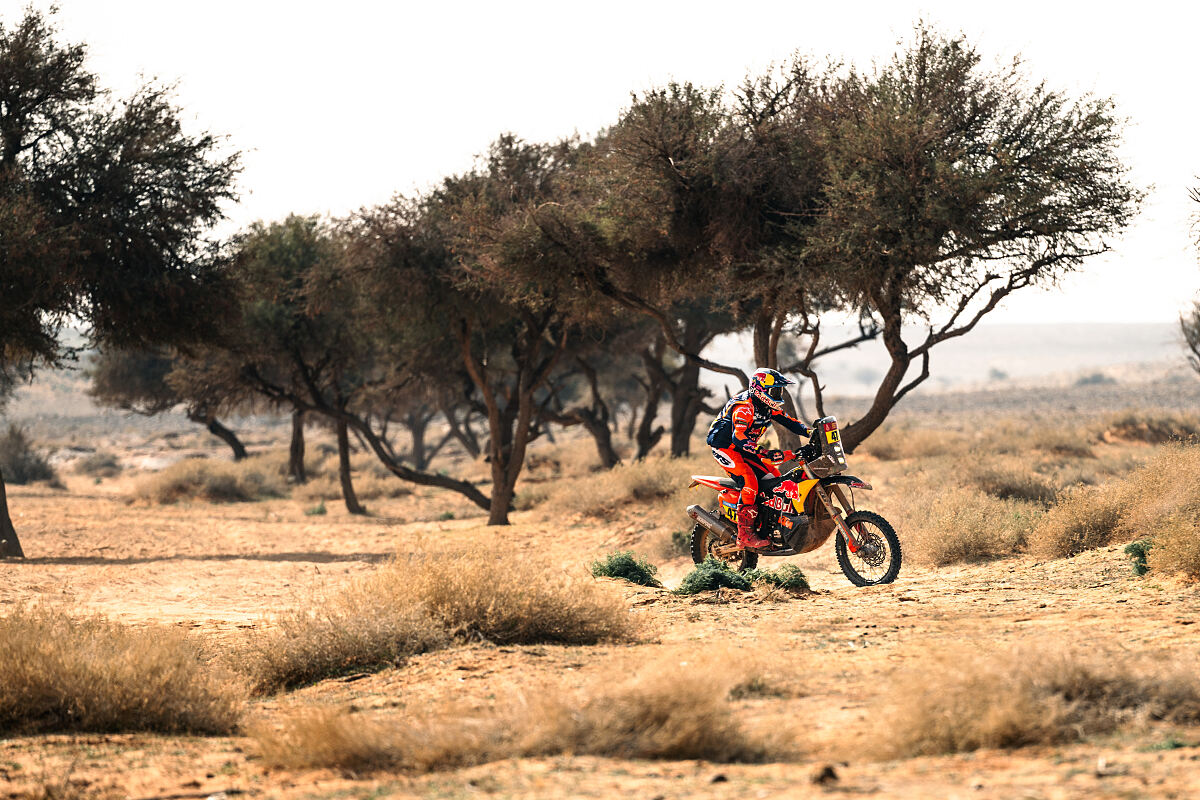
<point>871,548</point>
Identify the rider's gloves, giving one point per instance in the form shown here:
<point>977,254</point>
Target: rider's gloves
<point>778,455</point>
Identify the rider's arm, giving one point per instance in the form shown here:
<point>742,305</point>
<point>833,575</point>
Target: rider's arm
<point>743,419</point>
<point>790,423</point>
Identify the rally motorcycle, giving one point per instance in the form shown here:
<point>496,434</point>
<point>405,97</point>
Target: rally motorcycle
<point>798,512</point>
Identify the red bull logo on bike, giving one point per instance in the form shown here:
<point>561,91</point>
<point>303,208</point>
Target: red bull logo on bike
<point>789,489</point>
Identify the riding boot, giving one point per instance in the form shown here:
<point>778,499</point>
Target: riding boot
<point>747,515</point>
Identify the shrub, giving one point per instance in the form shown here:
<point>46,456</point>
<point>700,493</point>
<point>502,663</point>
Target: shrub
<point>1177,546</point>
<point>1061,440</point>
<point>1083,519</point>
<point>20,463</point>
<point>211,481</point>
<point>626,566</point>
<point>966,699</point>
<point>369,486</point>
<point>1013,483</point>
<point>318,510</point>
<point>425,602</point>
<point>1150,427</point>
<point>894,443</point>
<point>788,577</point>
<point>943,524</point>
<point>712,574</point>
<point>1137,552</point>
<point>351,631</point>
<point>66,674</point>
<point>668,711</point>
<point>100,464</point>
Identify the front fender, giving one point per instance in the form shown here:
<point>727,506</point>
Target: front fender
<point>846,480</point>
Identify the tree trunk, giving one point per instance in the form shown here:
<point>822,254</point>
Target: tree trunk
<point>417,423</point>
<point>10,545</point>
<point>687,400</point>
<point>296,473</point>
<point>228,437</point>
<point>343,441</point>
<point>218,430</point>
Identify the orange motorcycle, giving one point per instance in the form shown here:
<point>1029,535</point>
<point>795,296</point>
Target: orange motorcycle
<point>797,513</point>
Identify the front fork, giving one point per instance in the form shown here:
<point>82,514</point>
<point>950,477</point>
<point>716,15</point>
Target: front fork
<point>835,513</point>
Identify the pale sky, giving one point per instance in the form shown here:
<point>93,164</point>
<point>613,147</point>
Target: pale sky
<point>337,105</point>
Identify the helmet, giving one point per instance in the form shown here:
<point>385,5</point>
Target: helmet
<point>766,386</point>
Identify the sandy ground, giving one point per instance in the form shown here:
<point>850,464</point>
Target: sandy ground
<point>218,569</point>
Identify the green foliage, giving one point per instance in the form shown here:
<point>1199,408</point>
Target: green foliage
<point>1137,552</point>
<point>681,542</point>
<point>318,510</point>
<point>712,574</point>
<point>787,577</point>
<point>19,461</point>
<point>626,566</point>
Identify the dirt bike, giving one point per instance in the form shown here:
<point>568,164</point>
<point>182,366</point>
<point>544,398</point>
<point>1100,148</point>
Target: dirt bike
<point>798,512</point>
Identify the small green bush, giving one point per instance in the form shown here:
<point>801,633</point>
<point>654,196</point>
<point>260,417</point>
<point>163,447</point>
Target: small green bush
<point>628,567</point>
<point>19,462</point>
<point>318,510</point>
<point>1137,552</point>
<point>712,574</point>
<point>787,577</point>
<point>681,542</point>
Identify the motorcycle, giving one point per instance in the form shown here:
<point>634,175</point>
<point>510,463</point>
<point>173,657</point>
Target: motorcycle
<point>798,512</point>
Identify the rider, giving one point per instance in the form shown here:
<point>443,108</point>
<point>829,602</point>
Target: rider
<point>734,436</point>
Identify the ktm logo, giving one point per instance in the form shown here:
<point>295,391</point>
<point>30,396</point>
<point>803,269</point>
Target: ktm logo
<point>788,489</point>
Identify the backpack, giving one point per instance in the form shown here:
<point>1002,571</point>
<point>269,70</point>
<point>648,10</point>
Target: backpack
<point>720,433</point>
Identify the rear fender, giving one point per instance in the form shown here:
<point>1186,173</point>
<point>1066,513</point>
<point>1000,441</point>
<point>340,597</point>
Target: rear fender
<point>705,480</point>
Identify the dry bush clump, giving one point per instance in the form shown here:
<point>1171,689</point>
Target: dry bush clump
<point>89,674</point>
<point>1013,481</point>
<point>943,524</point>
<point>657,486</point>
<point>1060,440</point>
<point>1150,427</point>
<point>1083,519</point>
<point>1131,507</point>
<point>349,631</point>
<point>370,486</point>
<point>667,711</point>
<point>1041,694</point>
<point>507,599</point>
<point>1176,548</point>
<point>893,443</point>
<point>427,601</point>
<point>211,481</point>
<point>101,464</point>
<point>20,461</point>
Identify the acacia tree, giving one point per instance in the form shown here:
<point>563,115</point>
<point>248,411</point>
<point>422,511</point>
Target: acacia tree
<point>137,381</point>
<point>948,187</point>
<point>103,207</point>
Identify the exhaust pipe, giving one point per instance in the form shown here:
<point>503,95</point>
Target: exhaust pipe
<point>713,523</point>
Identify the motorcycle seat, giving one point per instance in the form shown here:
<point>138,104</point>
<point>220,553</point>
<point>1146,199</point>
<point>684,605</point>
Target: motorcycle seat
<point>728,483</point>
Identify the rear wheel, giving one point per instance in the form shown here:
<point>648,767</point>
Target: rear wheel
<point>877,559</point>
<point>703,542</point>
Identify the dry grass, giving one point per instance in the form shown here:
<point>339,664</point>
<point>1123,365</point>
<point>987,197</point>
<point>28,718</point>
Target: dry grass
<point>101,464</point>
<point>1083,519</point>
<point>1176,549</point>
<point>1150,427</point>
<point>1132,507</point>
<point>1013,480</point>
<point>891,443</point>
<point>66,674</point>
<point>943,524</point>
<point>671,711</point>
<point>964,699</point>
<point>427,601</point>
<point>369,486</point>
<point>212,481</point>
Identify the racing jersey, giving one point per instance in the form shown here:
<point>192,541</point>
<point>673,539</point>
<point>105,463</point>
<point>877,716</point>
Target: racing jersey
<point>750,422</point>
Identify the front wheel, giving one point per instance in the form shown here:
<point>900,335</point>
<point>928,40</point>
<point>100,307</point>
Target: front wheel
<point>878,557</point>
